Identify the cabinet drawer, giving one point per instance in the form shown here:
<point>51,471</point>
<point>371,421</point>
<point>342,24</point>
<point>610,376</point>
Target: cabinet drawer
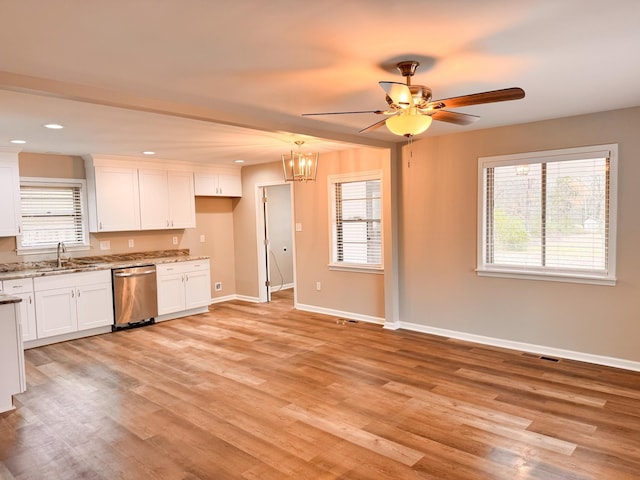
<point>18,285</point>
<point>69,280</point>
<point>182,267</point>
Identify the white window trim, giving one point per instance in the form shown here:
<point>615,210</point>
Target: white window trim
<point>576,153</point>
<point>37,181</point>
<point>352,177</point>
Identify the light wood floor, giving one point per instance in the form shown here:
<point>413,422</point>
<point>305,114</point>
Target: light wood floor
<point>267,392</point>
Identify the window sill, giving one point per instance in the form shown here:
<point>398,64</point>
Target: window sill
<point>547,277</point>
<point>374,269</point>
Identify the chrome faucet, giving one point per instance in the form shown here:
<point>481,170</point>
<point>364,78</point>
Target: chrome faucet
<point>61,249</point>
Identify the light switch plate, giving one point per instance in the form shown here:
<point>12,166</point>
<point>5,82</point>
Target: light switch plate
<point>298,227</point>
<point>131,243</point>
<point>105,245</point>
<point>201,238</point>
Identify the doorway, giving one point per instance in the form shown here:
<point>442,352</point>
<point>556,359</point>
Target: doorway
<point>277,257</point>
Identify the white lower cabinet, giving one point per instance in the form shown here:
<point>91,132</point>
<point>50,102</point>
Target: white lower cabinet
<point>183,286</point>
<point>23,289</point>
<point>73,302</point>
<point>12,374</point>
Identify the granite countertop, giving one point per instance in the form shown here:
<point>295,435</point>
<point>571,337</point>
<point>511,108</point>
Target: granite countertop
<point>10,271</point>
<point>4,299</point>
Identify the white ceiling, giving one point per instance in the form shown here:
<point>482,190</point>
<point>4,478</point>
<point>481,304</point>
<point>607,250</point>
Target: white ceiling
<point>181,78</point>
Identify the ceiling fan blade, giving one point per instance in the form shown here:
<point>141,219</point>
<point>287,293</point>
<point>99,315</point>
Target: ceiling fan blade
<point>479,98</point>
<point>379,112</point>
<point>399,93</point>
<point>454,117</point>
<point>374,126</point>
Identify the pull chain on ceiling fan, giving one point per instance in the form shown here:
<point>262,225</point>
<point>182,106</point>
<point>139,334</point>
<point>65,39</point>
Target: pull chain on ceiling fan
<point>411,109</point>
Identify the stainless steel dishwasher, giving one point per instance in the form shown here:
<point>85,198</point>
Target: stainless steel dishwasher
<point>135,296</point>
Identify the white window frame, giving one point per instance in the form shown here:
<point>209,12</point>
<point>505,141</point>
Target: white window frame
<point>70,182</point>
<point>606,277</point>
<point>332,180</point>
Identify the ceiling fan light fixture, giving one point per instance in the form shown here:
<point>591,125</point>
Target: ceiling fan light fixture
<point>408,123</point>
<point>300,166</point>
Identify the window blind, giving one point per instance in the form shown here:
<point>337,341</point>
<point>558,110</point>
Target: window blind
<point>51,214</point>
<point>358,222</point>
<point>550,215</point>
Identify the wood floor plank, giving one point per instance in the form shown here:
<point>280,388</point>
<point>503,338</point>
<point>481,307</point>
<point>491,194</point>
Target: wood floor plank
<point>263,391</point>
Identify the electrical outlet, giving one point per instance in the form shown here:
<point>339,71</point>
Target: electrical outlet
<point>298,227</point>
<point>175,240</point>
<point>105,245</point>
<point>201,238</point>
<point>318,286</point>
<point>131,243</point>
<point>217,286</point>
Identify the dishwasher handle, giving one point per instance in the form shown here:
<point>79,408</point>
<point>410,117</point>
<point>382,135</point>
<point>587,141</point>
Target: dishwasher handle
<point>133,274</point>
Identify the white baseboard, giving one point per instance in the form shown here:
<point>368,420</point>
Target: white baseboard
<point>286,286</point>
<point>339,313</point>
<point>182,313</point>
<point>226,298</point>
<point>246,298</point>
<point>66,336</point>
<point>525,347</point>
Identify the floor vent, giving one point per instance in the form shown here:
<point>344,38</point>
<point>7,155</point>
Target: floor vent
<point>549,359</point>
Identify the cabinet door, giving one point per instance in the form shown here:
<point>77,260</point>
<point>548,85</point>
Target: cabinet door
<point>182,206</point>
<point>56,312</point>
<point>197,289</point>
<point>28,316</point>
<point>9,198</point>
<point>230,185</point>
<point>12,379</point>
<point>170,293</point>
<point>94,306</point>
<point>206,184</point>
<point>117,199</point>
<point>154,203</point>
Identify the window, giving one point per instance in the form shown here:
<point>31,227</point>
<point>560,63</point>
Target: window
<point>356,220</point>
<point>549,215</point>
<point>52,211</point>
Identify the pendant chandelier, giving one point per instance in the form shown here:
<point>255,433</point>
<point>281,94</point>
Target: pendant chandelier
<point>300,166</point>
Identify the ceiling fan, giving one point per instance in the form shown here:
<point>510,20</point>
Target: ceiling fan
<point>411,109</point>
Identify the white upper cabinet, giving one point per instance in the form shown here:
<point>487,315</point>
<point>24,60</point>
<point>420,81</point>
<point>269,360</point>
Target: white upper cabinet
<point>154,194</point>
<point>218,184</point>
<point>130,194</point>
<point>9,195</point>
<point>182,201</point>
<point>166,199</point>
<point>114,202</point>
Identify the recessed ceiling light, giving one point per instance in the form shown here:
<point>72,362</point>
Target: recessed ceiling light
<point>18,141</point>
<point>148,152</point>
<point>239,161</point>
<point>53,126</point>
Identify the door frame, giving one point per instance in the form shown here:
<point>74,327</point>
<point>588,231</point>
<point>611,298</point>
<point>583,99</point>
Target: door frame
<point>263,295</point>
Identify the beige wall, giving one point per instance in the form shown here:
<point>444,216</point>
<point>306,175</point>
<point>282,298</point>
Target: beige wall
<point>357,293</point>
<point>214,220</point>
<point>438,285</point>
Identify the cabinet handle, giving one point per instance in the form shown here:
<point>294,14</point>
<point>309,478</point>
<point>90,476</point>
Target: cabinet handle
<point>17,286</point>
<point>187,277</point>
<point>172,223</point>
<point>100,226</point>
<point>29,299</point>
<point>167,223</point>
<point>19,228</point>
<point>72,293</point>
<point>78,293</point>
